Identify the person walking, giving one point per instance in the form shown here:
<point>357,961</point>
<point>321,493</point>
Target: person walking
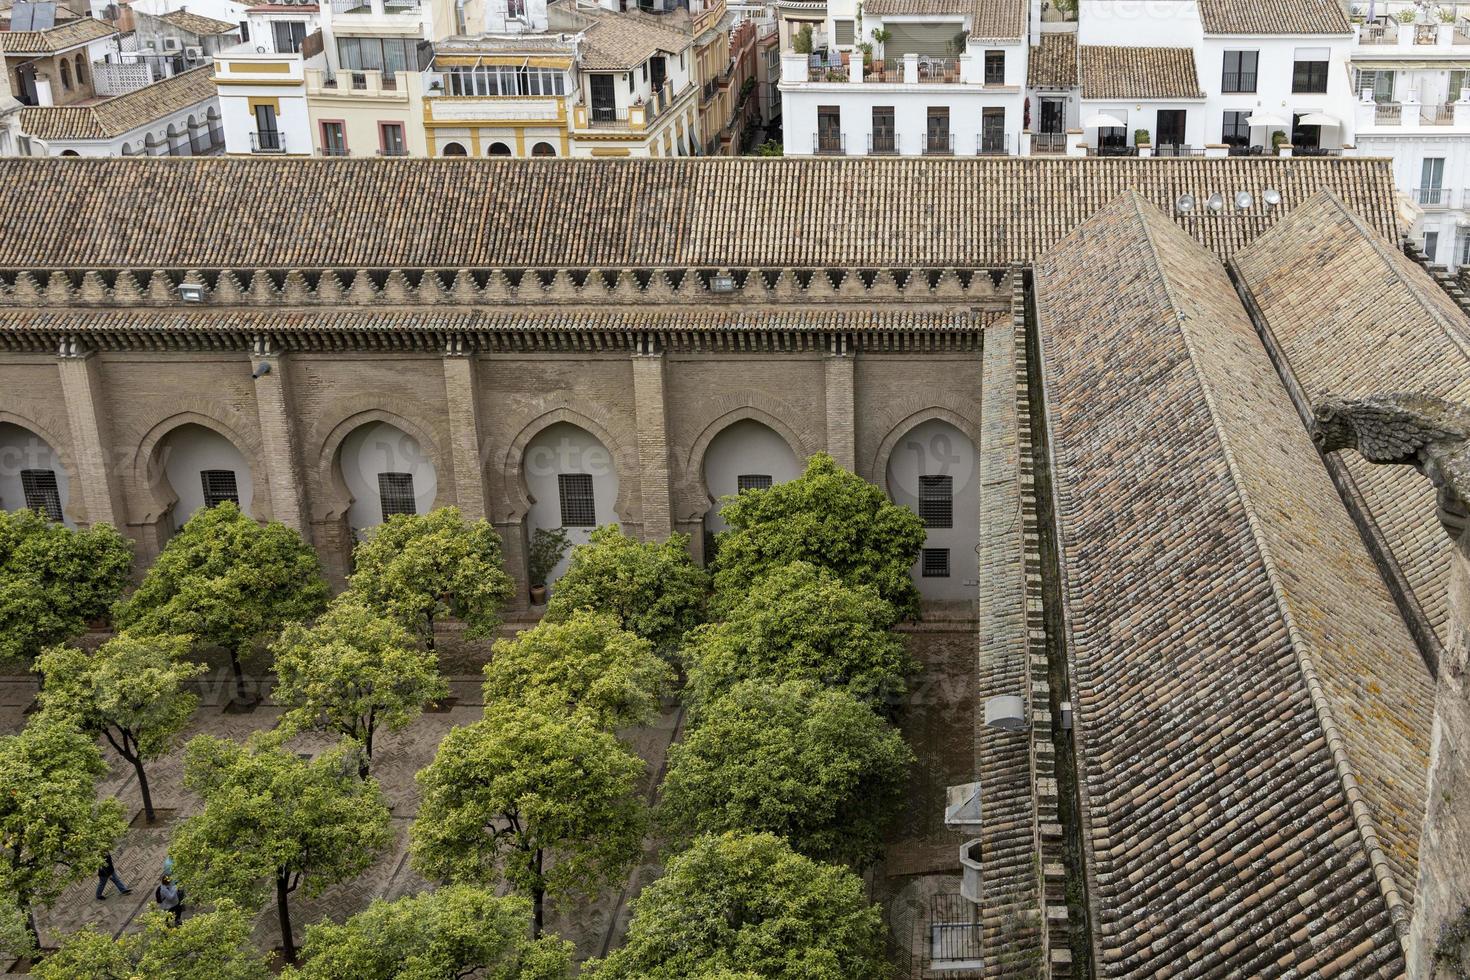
<point>170,898</point>
<point>106,873</point>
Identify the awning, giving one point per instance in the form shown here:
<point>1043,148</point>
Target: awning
<point>1101,120</point>
<point>1319,119</point>
<point>1264,119</point>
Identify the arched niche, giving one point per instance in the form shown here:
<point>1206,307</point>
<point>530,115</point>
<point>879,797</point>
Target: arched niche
<point>202,468</point>
<point>745,454</point>
<point>571,482</point>
<point>932,469</point>
<point>32,475</point>
<point>386,472</point>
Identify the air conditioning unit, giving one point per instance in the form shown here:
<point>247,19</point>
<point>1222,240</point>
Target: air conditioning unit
<point>193,54</point>
<point>149,46</point>
<point>171,44</point>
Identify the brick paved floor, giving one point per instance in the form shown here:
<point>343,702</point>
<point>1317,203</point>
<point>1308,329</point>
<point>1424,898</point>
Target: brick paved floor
<point>923,855</point>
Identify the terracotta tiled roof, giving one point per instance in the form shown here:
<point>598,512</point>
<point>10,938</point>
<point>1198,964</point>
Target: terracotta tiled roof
<point>1283,17</point>
<point>122,114</point>
<point>59,38</point>
<point>1111,72</point>
<point>1053,63</point>
<point>1243,778</point>
<point>741,212</point>
<point>1353,315</point>
<point>625,41</point>
<point>990,19</point>
<point>198,25</point>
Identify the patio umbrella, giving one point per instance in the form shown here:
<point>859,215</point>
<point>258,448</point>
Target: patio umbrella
<point>1319,119</point>
<point>1264,119</point>
<point>1101,120</point>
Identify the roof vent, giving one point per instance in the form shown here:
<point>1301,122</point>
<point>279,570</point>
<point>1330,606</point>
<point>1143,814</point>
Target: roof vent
<point>1244,200</point>
<point>1215,202</point>
<point>1185,204</point>
<point>1271,196</point>
<point>1006,712</point>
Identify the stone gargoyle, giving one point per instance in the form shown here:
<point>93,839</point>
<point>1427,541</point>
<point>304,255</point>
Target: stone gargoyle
<point>1406,428</point>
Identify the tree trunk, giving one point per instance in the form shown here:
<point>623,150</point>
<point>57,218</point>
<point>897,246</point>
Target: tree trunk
<point>31,927</point>
<point>143,788</point>
<point>283,912</point>
<point>538,901</point>
<point>366,763</point>
<point>239,678</point>
<point>430,618</point>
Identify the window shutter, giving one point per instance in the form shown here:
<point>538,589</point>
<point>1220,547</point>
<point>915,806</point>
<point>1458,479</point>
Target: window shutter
<point>41,492</point>
<point>752,481</point>
<point>219,486</point>
<point>844,32</point>
<point>934,563</point>
<point>578,506</point>
<point>395,494</point>
<point>936,500</point>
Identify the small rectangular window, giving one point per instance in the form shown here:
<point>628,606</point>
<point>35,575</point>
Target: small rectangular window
<point>936,500</point>
<point>578,508</point>
<point>1309,76</point>
<point>395,493</point>
<point>219,486</point>
<point>934,563</point>
<point>41,492</point>
<point>844,32</point>
<point>752,481</point>
<point>995,68</point>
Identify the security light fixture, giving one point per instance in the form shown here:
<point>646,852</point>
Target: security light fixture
<point>722,284</point>
<point>1271,196</point>
<point>1006,712</point>
<point>191,292</point>
<point>1244,200</point>
<point>1216,202</point>
<point>261,370</point>
<point>1185,204</point>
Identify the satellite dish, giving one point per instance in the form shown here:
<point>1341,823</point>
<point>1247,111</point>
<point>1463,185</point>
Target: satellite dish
<point>1185,203</point>
<point>260,49</point>
<point>1215,202</point>
<point>1244,200</point>
<point>1271,196</point>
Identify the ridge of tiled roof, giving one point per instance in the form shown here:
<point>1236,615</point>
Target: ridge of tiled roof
<point>1222,615</point>
<point>1351,315</point>
<point>1117,72</point>
<point>54,39</point>
<point>151,213</point>
<point>624,41</point>
<point>197,24</point>
<point>998,20</point>
<point>1253,17</point>
<point>1053,62</point>
<point>122,114</point>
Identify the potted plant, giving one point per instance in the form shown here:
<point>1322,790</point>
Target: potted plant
<point>802,43</point>
<point>548,547</point>
<point>1406,16</point>
<point>1278,138</point>
<point>1140,137</point>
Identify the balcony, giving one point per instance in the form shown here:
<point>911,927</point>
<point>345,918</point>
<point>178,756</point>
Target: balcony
<point>829,144</point>
<point>879,70</point>
<point>376,8</point>
<point>267,141</point>
<point>993,144</point>
<point>1437,115</point>
<point>1433,198</point>
<point>1388,114</point>
<point>827,73</point>
<point>939,70</point>
<point>637,116</point>
<point>1116,150</point>
<point>1238,81</point>
<point>938,144</point>
<point>882,144</point>
<point>1048,142</point>
<point>333,151</point>
<point>1177,150</point>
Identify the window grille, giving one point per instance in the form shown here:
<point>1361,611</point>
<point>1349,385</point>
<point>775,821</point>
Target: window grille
<point>936,500</point>
<point>934,563</point>
<point>752,481</point>
<point>578,508</point>
<point>395,493</point>
<point>219,486</point>
<point>41,492</point>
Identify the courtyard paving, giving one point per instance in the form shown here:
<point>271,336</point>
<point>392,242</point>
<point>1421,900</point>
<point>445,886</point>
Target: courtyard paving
<point>922,859</point>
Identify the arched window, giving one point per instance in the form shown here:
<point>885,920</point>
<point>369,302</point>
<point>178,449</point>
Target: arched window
<point>81,70</point>
<point>70,153</point>
<point>453,150</point>
<point>498,150</point>
<point>65,76</point>
<point>543,149</point>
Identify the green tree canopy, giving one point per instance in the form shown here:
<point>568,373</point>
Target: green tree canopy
<point>454,932</point>
<point>813,765</point>
<point>417,568</point>
<point>354,672</point>
<point>273,821</point>
<point>801,622</point>
<point>654,590</point>
<point>547,804</point>
<point>586,665</point>
<point>741,904</point>
<point>56,831</point>
<point>227,581</point>
<point>53,580</point>
<point>131,691</point>
<point>213,944</point>
<point>826,516</point>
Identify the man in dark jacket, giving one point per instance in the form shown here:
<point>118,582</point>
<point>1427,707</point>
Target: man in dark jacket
<point>108,873</point>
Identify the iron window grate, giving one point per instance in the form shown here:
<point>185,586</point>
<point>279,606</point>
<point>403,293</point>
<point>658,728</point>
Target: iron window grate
<point>752,481</point>
<point>41,492</point>
<point>936,500</point>
<point>219,486</point>
<point>578,508</point>
<point>395,494</point>
<point>934,563</point>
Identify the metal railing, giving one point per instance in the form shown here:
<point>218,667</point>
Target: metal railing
<point>1116,150</point>
<point>607,114</point>
<point>1437,115</point>
<point>1316,151</point>
<point>1388,114</point>
<point>827,73</point>
<point>709,91</point>
<point>1432,197</point>
<point>1379,33</point>
<point>938,144</point>
<point>333,151</point>
<point>829,144</point>
<point>880,144</point>
<point>992,144</point>
<point>267,141</point>
<point>1178,150</point>
<point>401,151</point>
<point>1238,81</point>
<point>880,70</point>
<point>939,70</point>
<point>1048,142</point>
